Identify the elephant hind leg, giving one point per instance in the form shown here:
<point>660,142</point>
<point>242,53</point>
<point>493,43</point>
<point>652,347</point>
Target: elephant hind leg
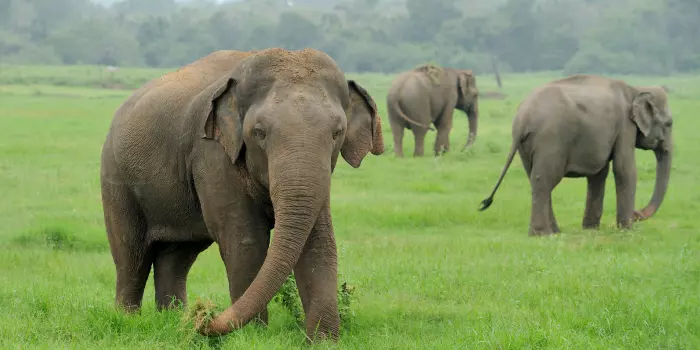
<point>545,175</point>
<point>419,141</point>
<point>554,226</point>
<point>172,263</point>
<point>397,131</point>
<point>126,231</point>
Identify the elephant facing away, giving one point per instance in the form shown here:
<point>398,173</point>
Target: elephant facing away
<point>574,127</point>
<point>429,94</point>
<point>223,150</point>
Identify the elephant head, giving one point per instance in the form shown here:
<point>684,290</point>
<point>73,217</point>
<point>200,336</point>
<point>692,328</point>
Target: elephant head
<point>286,116</point>
<point>651,115</point>
<point>468,101</point>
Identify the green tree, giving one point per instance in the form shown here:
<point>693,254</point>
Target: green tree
<point>295,31</point>
<point>426,18</point>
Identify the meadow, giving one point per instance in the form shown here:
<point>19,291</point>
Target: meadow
<point>429,270</point>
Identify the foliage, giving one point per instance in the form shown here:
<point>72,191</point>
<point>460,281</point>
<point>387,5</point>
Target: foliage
<point>288,298</point>
<point>614,36</point>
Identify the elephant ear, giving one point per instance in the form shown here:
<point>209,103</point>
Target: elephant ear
<point>643,111</point>
<point>465,80</point>
<point>364,133</point>
<point>222,119</point>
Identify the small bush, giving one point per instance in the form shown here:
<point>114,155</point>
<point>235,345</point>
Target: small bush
<point>288,297</point>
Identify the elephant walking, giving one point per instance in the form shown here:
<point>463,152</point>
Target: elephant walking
<point>429,94</point>
<point>223,150</point>
<point>574,127</point>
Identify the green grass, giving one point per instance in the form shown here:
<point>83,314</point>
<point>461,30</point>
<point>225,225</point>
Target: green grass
<point>429,271</point>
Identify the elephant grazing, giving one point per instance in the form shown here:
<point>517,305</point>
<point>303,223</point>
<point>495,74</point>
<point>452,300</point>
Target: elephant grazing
<point>429,94</point>
<point>223,150</point>
<point>574,127</point>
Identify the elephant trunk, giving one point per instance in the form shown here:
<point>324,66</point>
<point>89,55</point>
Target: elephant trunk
<point>299,185</point>
<point>473,116</point>
<point>663,173</point>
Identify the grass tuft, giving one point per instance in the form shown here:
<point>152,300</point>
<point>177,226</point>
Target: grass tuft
<point>199,313</point>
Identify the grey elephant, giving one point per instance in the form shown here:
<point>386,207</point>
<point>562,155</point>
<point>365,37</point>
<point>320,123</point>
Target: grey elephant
<point>429,94</point>
<point>223,150</point>
<point>574,127</point>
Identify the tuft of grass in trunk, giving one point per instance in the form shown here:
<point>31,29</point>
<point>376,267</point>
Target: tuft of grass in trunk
<point>200,313</point>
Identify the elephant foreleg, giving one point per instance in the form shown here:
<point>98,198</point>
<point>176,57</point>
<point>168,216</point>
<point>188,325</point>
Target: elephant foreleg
<point>235,221</point>
<point>594,199</point>
<point>419,140</point>
<point>316,275</point>
<point>625,172</point>
<point>243,254</point>
<point>442,140</point>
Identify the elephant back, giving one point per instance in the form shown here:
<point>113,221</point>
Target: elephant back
<point>432,71</point>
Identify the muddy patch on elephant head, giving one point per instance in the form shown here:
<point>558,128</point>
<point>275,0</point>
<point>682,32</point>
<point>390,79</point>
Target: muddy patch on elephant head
<point>298,67</point>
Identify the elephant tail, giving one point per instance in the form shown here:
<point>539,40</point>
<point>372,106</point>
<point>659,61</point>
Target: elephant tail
<point>397,107</point>
<point>488,201</point>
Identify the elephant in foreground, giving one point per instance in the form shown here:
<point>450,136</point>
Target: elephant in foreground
<point>223,150</point>
<point>574,127</point>
<point>429,94</point>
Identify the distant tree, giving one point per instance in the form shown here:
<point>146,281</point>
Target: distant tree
<point>295,31</point>
<point>426,18</point>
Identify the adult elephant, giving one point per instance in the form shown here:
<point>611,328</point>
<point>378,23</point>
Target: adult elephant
<point>429,94</point>
<point>223,150</point>
<point>574,127</point>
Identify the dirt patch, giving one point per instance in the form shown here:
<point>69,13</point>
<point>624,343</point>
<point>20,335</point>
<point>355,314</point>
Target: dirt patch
<point>433,71</point>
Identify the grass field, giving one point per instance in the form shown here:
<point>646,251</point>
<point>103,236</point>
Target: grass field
<point>430,271</point>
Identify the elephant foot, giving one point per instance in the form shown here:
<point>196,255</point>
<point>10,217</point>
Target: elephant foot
<point>542,233</point>
<point>590,224</point>
<point>626,224</point>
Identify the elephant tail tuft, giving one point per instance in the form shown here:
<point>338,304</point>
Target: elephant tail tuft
<point>486,203</point>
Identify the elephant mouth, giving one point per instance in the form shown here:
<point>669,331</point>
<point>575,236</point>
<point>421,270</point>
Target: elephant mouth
<point>649,144</point>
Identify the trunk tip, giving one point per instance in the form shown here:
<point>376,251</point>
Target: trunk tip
<point>647,212</point>
<point>223,324</point>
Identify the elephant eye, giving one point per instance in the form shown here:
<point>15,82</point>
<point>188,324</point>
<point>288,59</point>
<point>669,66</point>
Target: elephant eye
<point>259,132</point>
<point>336,135</point>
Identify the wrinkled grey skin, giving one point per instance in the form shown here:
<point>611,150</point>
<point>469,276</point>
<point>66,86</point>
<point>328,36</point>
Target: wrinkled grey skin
<point>574,127</point>
<point>223,150</point>
<point>415,100</point>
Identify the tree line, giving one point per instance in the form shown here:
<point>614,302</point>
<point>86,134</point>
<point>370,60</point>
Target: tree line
<point>593,36</point>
